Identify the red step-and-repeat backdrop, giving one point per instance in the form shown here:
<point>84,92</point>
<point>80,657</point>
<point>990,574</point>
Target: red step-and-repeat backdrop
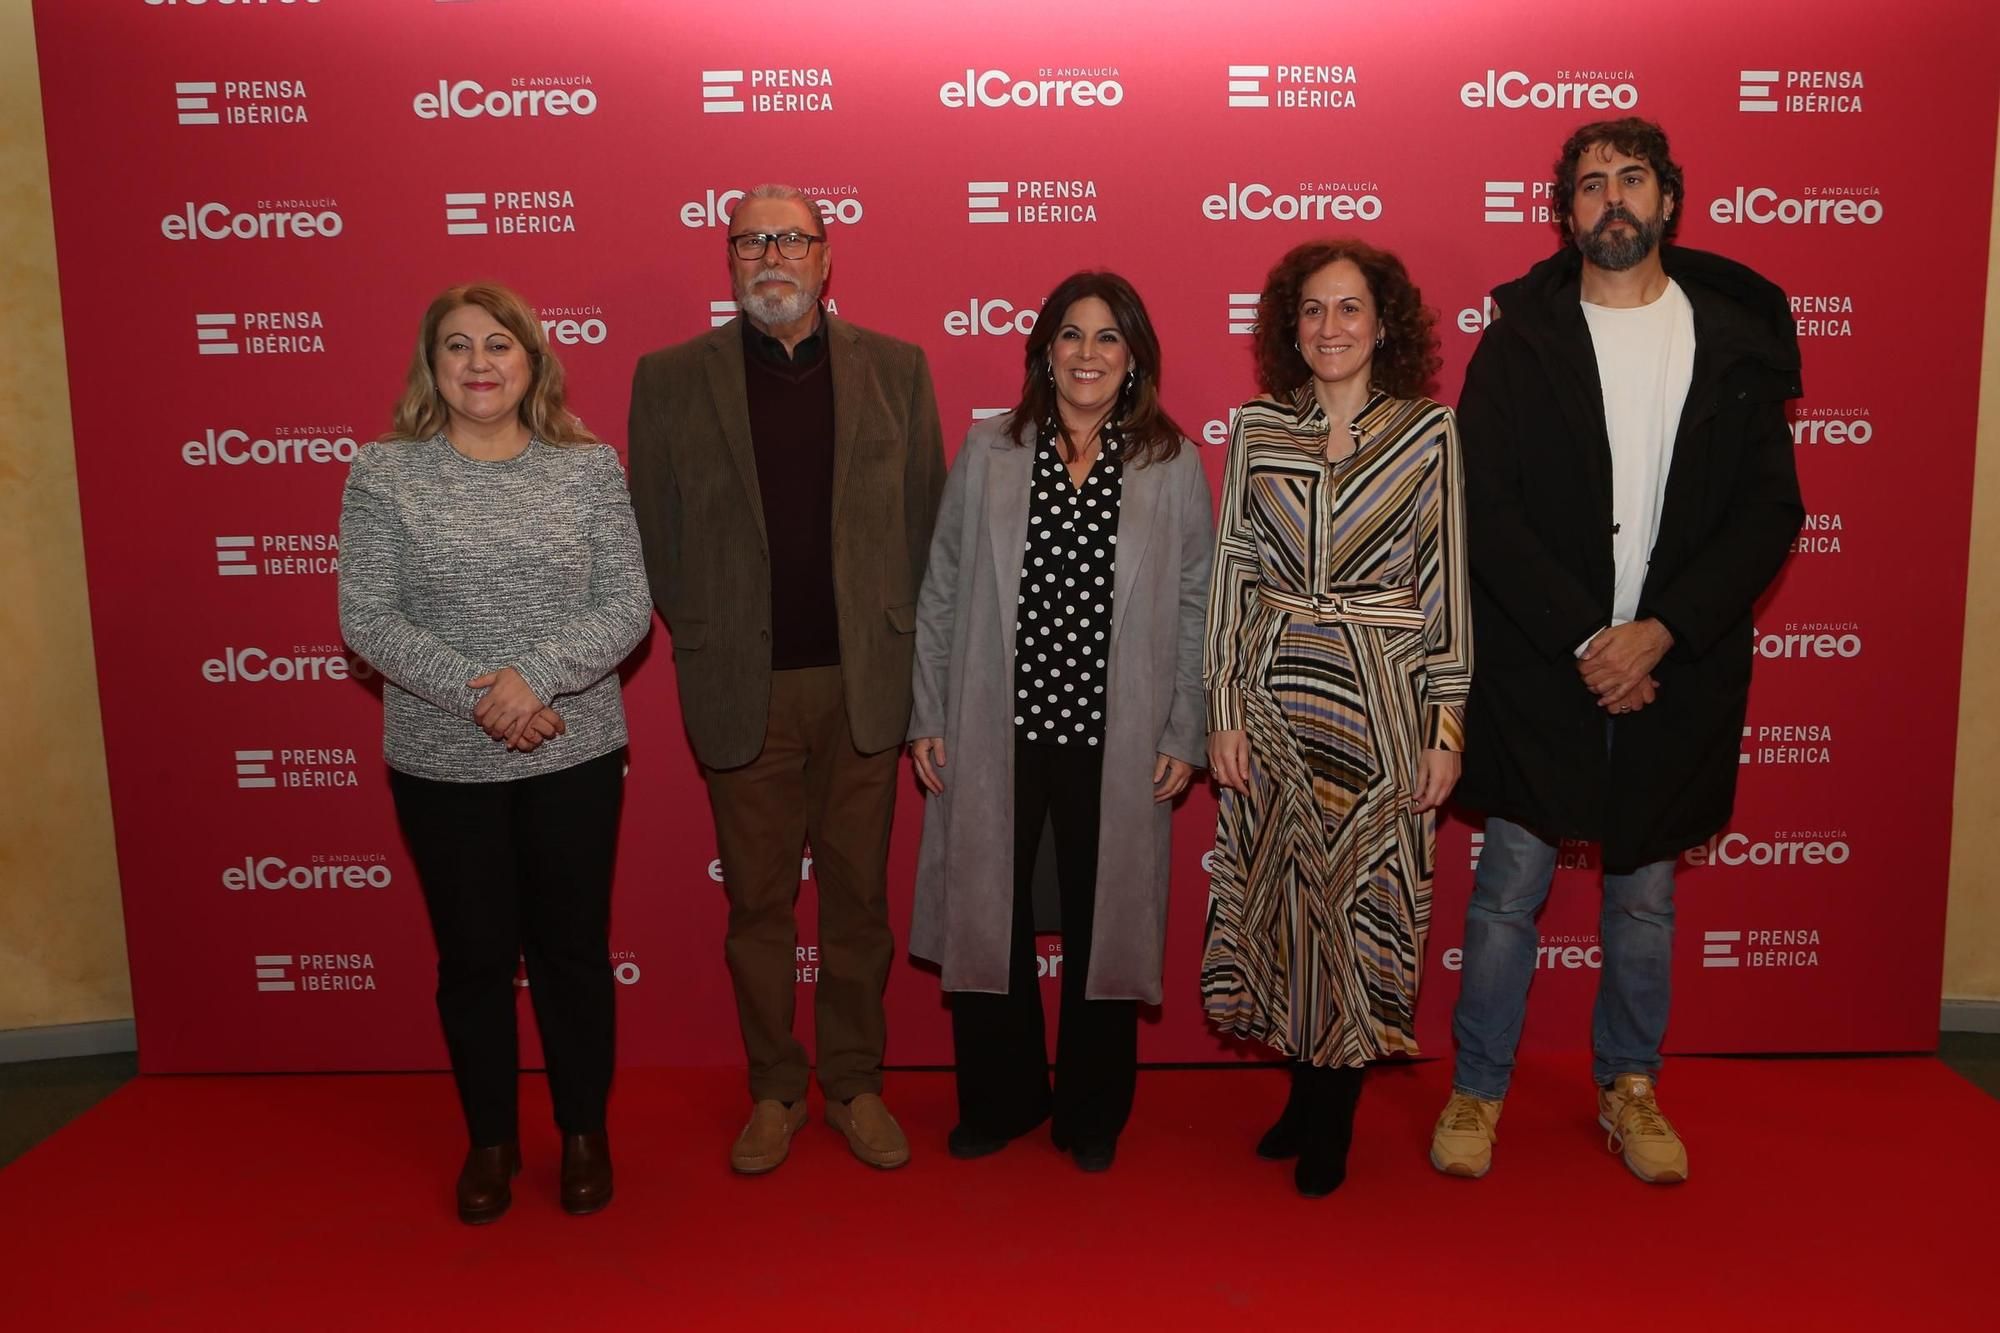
<point>255,200</point>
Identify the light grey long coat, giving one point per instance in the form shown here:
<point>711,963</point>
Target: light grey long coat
<point>964,692</point>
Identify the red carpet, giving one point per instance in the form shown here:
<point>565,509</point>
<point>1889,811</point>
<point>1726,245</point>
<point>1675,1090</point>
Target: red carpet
<point>324,1203</point>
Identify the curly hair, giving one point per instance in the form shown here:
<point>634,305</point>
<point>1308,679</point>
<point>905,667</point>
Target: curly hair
<point>1407,363</point>
<point>1643,140</point>
<point>421,413</point>
<point>1144,430</point>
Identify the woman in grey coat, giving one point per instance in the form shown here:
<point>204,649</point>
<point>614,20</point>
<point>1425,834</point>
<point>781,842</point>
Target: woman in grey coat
<point>1058,682</point>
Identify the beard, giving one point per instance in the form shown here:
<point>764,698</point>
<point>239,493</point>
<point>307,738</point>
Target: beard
<point>788,308</point>
<point>1622,250</point>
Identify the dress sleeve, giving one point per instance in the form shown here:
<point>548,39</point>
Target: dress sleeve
<point>1232,583</point>
<point>1443,593</point>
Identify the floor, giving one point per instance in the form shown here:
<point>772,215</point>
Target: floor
<point>324,1202</point>
<point>39,1097</point>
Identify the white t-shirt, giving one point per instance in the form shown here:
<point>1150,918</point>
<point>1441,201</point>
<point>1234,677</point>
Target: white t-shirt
<point>1645,361</point>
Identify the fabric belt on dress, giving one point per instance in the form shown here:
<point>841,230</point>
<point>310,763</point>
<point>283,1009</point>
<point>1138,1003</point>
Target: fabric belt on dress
<point>1387,608</point>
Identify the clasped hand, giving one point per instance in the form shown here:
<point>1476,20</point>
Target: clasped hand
<point>510,712</point>
<point>1617,666</point>
<point>1170,775</point>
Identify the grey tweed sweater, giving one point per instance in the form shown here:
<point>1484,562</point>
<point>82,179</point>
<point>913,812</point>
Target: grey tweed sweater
<point>451,567</point>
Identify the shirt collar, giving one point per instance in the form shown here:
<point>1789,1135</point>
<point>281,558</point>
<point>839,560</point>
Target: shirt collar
<point>809,351</point>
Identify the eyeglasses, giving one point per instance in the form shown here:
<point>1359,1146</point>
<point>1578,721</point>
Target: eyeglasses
<point>755,244</point>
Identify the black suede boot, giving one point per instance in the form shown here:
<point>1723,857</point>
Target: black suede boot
<point>1281,1141</point>
<point>1331,1097</point>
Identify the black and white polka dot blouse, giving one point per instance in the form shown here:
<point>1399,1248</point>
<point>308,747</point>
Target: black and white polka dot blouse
<point>1063,633</point>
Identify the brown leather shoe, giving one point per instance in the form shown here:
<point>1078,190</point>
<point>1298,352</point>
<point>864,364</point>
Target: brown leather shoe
<point>768,1137</point>
<point>586,1173</point>
<point>484,1182</point>
<point>871,1131</point>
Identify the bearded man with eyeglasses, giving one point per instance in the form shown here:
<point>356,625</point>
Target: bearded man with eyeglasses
<point>785,469</point>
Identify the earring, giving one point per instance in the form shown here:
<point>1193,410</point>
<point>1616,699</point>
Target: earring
<point>1378,340</point>
<point>1049,369</point>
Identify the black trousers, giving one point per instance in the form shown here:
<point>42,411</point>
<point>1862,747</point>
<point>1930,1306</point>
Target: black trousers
<point>998,1042</point>
<point>513,871</point>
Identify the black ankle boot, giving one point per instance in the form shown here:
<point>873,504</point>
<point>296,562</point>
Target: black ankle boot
<point>1281,1141</point>
<point>1329,1132</point>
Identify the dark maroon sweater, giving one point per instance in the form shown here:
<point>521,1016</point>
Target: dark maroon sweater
<point>791,430</point>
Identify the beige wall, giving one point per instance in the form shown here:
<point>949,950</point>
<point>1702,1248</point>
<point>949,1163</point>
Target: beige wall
<point>62,934</point>
<point>62,938</point>
<point>1972,926</point>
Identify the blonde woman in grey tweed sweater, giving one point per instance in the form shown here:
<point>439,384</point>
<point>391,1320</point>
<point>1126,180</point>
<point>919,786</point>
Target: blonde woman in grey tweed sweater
<point>490,571</point>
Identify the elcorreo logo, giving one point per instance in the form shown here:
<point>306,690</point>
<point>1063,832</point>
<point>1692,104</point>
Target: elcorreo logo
<point>1816,847</point>
<point>278,553</point>
<point>265,769</point>
<point>1753,92</point>
<point>1823,640</point>
<point>212,335</point>
<point>988,413</point>
<point>836,203</point>
<point>720,313</point>
<point>1340,201</point>
<point>263,333</point>
<point>310,663</point>
<point>232,555</point>
<point>192,101</point>
<point>1567,953</point>
<point>532,96</point>
<point>1319,87</point>
<point>461,215</point>
<point>1057,87</point>
<point>805,868</point>
<point>779,90</point>
<point>236,448</point>
<point>1718,948</point>
<point>240,101</point>
<point>1503,201</point>
<point>1475,318</point>
<point>1573,90</point>
<point>1478,846</point>
<point>995,316</point>
<point>1815,206</point>
<point>574,325</point>
<point>272,219</point>
<point>271,972</point>
<point>510,212</point>
<point>625,967</point>
<point>1243,312</point>
<point>1832,426</point>
<point>1823,316</point>
<point>321,872</point>
<point>1031,201</point>
<point>1807,91</point>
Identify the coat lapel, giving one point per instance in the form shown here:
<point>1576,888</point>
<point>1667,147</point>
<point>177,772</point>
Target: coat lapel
<point>1009,474</point>
<point>854,397</point>
<point>732,408</point>
<point>1143,491</point>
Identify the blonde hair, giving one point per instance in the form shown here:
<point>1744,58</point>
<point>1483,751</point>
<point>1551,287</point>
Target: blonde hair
<point>421,414</point>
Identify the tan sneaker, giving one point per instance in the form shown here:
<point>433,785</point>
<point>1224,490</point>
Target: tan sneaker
<point>1633,1126</point>
<point>767,1138</point>
<point>1462,1143</point>
<point>871,1131</point>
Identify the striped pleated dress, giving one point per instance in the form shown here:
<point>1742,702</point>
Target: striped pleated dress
<point>1340,640</point>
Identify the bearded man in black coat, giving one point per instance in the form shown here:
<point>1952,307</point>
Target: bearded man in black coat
<point>1630,493</point>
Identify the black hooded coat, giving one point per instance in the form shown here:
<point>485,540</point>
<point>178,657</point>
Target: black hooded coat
<point>1538,519</point>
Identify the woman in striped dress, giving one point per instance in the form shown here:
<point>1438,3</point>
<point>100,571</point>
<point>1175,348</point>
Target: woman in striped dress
<point>1339,659</point>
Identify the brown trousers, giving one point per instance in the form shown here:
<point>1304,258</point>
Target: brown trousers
<point>808,783</point>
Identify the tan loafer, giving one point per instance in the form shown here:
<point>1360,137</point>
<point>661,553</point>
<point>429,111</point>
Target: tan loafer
<point>871,1131</point>
<point>767,1138</point>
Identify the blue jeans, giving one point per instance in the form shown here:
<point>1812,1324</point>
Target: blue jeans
<point>1636,930</point>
